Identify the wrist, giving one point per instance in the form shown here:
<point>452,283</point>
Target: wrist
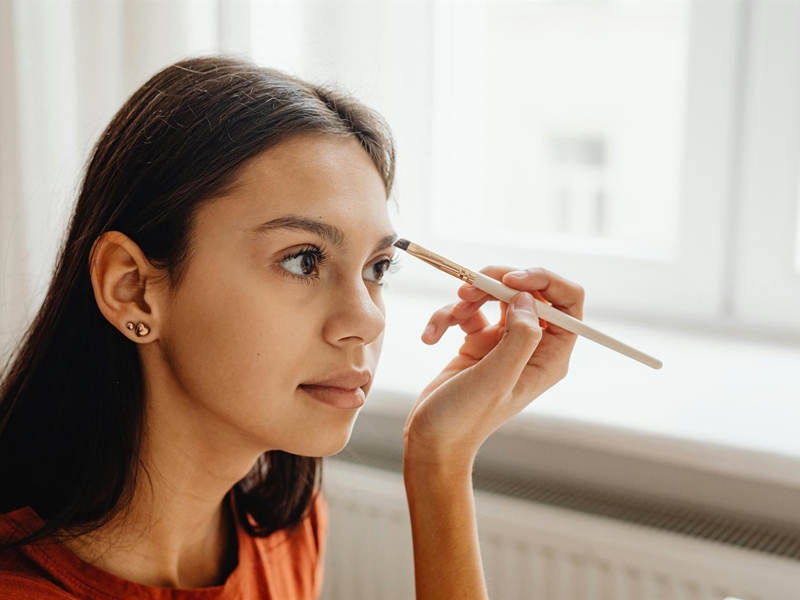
<point>431,454</point>
<point>423,462</point>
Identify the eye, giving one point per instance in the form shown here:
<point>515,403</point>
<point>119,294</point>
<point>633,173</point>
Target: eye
<point>304,263</point>
<point>380,268</point>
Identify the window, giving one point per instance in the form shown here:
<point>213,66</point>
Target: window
<point>647,149</point>
<point>592,138</point>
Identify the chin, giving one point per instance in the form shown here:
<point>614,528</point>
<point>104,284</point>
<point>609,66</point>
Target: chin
<point>332,448</point>
<point>320,444</point>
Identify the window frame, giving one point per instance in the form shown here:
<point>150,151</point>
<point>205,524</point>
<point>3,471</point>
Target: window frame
<point>766,283</point>
<point>621,280</point>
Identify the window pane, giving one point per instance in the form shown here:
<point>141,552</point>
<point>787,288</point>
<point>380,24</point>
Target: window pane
<point>565,118</point>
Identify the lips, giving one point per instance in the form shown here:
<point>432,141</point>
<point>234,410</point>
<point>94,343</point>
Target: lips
<point>336,397</point>
<point>344,380</point>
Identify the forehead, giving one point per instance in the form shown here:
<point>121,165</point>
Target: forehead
<point>314,172</point>
<point>322,177</point>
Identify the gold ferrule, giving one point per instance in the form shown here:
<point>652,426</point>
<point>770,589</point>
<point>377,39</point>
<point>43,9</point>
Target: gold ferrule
<point>442,263</point>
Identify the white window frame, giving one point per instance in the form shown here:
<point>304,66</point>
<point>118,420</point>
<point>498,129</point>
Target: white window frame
<point>766,282</point>
<point>623,280</point>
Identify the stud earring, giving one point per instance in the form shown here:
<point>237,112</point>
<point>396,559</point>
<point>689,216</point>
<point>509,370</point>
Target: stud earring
<point>141,328</point>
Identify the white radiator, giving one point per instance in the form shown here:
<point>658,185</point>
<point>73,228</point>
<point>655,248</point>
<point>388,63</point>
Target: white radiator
<point>534,551</point>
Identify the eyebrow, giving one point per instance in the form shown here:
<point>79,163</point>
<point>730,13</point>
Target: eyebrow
<point>330,233</point>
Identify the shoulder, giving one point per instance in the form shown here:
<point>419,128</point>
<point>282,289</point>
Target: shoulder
<point>21,586</point>
<point>23,576</point>
<point>292,560</point>
<point>19,523</point>
<point>307,538</point>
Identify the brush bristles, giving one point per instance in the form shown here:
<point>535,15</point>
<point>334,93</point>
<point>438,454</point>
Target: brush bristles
<point>402,244</point>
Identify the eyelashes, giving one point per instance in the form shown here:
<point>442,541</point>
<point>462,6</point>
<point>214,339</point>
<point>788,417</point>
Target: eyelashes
<point>320,258</point>
<point>313,257</point>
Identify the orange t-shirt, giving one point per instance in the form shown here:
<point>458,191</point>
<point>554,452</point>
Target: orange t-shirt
<point>284,566</point>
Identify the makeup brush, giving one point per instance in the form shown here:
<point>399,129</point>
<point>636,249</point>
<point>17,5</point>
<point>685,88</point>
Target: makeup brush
<point>545,311</point>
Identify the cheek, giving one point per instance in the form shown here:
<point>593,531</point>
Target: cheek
<point>238,353</point>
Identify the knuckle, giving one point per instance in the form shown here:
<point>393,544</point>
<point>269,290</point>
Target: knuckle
<point>447,309</point>
<point>529,329</point>
<point>539,272</point>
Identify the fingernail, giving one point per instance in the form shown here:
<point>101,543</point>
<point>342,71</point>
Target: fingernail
<point>516,274</point>
<point>429,329</point>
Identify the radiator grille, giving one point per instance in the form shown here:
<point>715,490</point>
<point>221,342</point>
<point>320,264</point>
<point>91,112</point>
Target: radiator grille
<point>732,530</point>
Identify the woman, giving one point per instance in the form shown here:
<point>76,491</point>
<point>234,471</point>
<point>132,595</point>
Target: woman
<point>212,326</point>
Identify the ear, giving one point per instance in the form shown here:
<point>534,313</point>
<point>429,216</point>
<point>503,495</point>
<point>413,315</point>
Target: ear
<point>126,287</point>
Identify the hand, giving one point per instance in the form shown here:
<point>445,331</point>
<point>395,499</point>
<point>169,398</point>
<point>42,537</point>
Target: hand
<point>499,370</point>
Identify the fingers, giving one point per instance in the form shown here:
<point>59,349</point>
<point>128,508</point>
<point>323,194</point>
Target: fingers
<point>470,293</point>
<point>563,294</point>
<point>545,285</point>
<point>465,314</point>
<point>506,361</point>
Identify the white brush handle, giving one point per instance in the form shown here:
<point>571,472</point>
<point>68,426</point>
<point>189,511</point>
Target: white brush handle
<point>565,321</point>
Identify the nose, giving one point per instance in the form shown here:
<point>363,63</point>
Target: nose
<point>357,314</point>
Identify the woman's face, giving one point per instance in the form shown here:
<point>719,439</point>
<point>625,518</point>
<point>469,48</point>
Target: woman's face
<point>262,311</point>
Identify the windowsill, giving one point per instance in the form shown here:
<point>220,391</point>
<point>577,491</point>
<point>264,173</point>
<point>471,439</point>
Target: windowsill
<point>721,405</point>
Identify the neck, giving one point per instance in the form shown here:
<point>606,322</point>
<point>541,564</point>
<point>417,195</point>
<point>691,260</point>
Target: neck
<point>178,530</point>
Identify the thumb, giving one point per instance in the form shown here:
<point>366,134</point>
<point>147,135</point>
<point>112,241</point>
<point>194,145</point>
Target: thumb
<point>505,362</point>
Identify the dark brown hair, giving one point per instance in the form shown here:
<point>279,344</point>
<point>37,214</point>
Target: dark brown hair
<point>71,393</point>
